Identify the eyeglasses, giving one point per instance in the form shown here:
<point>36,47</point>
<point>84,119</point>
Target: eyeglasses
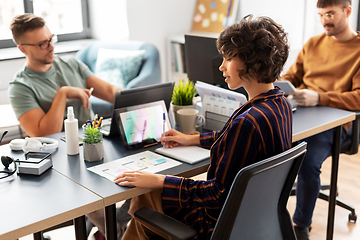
<point>44,45</point>
<point>329,16</point>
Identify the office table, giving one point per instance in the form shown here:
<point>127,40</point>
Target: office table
<point>75,168</point>
<point>30,204</point>
<point>307,122</point>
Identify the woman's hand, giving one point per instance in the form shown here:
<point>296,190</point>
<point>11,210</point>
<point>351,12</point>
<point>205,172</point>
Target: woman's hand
<point>140,179</point>
<point>174,138</point>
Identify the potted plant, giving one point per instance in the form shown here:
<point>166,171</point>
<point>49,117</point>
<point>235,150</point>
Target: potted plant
<point>182,97</point>
<point>93,146</point>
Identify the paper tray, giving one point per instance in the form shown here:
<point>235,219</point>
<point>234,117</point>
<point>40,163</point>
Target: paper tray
<point>214,121</point>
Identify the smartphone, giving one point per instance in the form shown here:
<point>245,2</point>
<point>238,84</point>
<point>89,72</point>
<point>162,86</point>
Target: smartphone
<point>286,86</point>
<point>81,141</point>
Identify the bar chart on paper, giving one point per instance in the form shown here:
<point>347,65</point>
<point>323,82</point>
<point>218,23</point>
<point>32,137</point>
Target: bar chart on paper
<point>145,161</point>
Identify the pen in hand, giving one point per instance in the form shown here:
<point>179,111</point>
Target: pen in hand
<point>164,127</point>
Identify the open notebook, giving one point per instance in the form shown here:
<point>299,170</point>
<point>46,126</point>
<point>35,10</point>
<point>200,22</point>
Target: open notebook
<point>188,154</point>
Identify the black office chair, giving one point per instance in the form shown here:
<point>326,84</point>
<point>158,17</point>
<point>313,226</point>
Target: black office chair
<point>350,147</point>
<point>255,207</point>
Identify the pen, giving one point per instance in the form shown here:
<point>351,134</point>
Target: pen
<point>98,124</point>
<point>95,119</point>
<point>164,124</point>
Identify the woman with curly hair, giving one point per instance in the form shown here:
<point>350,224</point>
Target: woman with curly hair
<point>254,52</point>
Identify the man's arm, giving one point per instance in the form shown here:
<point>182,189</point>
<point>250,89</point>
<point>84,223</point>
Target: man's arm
<point>37,123</point>
<point>296,73</point>
<point>102,89</point>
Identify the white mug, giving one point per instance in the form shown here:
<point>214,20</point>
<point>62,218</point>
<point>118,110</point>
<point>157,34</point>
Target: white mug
<point>188,120</point>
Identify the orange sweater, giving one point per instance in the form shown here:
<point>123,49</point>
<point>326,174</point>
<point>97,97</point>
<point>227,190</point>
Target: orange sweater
<point>332,69</point>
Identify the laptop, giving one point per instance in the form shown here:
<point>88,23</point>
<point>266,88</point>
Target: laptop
<point>137,96</point>
<point>142,125</point>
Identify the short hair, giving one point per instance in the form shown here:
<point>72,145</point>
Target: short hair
<point>327,3</point>
<point>260,43</point>
<point>23,23</point>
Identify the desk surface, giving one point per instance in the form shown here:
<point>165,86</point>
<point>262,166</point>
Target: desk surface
<point>75,168</point>
<point>32,203</point>
<point>307,121</point>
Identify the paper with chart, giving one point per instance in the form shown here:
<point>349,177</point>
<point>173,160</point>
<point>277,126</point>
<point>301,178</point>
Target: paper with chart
<point>214,91</point>
<point>145,161</point>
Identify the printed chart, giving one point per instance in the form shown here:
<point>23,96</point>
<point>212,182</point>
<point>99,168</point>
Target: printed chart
<point>145,161</point>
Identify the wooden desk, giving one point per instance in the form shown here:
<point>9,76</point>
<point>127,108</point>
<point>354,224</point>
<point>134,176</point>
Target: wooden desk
<point>30,204</point>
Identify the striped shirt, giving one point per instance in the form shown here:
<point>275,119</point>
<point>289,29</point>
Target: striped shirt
<point>259,129</point>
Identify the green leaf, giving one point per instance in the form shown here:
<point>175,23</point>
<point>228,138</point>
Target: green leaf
<point>92,135</point>
<point>183,93</point>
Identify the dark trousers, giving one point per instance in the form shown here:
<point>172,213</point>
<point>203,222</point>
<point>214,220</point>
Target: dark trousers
<point>319,148</point>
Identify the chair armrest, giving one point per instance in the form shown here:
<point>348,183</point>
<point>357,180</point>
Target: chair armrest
<point>351,144</point>
<point>356,133</point>
<point>164,224</point>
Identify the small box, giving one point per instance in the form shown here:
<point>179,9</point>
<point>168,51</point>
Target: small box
<point>35,163</point>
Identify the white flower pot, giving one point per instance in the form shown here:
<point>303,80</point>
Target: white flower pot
<point>93,152</point>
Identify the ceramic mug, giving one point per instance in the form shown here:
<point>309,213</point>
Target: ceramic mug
<point>188,120</point>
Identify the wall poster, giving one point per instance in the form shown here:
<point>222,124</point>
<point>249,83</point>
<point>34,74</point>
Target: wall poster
<point>214,15</point>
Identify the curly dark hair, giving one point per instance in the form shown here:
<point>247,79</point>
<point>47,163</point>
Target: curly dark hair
<point>327,3</point>
<point>260,43</point>
<point>23,23</point>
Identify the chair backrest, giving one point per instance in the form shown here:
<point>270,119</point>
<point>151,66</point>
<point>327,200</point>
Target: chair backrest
<point>351,144</point>
<point>256,205</point>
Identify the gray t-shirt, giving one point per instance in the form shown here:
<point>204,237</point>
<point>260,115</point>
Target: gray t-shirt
<point>32,89</point>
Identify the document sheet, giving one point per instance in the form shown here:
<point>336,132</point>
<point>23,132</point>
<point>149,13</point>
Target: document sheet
<point>145,161</point>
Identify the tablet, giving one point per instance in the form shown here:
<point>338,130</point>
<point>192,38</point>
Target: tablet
<point>286,86</point>
<point>142,125</point>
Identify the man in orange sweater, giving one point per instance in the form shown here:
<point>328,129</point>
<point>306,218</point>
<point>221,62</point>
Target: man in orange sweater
<point>326,73</point>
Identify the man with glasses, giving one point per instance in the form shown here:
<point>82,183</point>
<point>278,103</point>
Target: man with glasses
<point>47,84</point>
<point>326,73</point>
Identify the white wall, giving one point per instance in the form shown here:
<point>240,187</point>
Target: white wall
<point>164,19</point>
<point>108,19</point>
<point>288,13</point>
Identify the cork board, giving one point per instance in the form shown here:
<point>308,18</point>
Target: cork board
<point>214,15</point>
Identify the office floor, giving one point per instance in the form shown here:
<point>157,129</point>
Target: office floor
<point>348,187</point>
